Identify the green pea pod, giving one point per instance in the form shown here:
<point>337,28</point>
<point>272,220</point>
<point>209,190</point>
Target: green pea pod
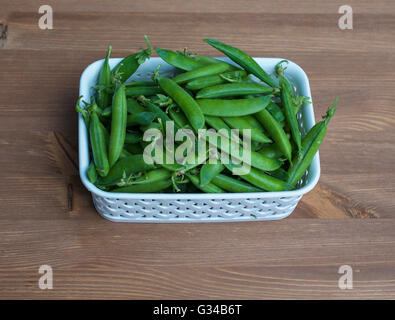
<point>276,132</point>
<point>118,125</point>
<point>142,91</point>
<point>103,97</point>
<point>98,145</point>
<point>262,180</point>
<point>233,185</point>
<point>256,160</point>
<point>310,145</point>
<point>290,116</point>
<point>187,104</point>
<point>141,118</point>
<point>233,108</point>
<point>242,124</point>
<point>146,187</point>
<point>280,173</point>
<point>271,151</point>
<point>92,173</point>
<point>128,66</point>
<point>106,112</point>
<point>208,171</point>
<point>124,154</point>
<point>213,80</point>
<point>124,168</point>
<point>211,60</point>
<point>133,137</point>
<point>243,60</point>
<point>134,148</point>
<point>233,90</point>
<point>153,176</point>
<point>209,188</point>
<point>178,117</point>
<point>179,61</point>
<point>276,111</point>
<point>158,112</point>
<point>208,70</point>
<point>133,106</point>
<point>140,84</point>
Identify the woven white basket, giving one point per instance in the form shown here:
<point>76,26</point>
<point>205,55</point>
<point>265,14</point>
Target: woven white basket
<point>202,207</point>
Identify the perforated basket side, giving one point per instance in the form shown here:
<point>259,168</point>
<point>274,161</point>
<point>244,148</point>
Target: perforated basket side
<point>194,210</point>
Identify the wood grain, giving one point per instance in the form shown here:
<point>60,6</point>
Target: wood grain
<point>347,219</point>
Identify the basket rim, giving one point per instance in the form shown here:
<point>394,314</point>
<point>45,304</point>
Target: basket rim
<point>84,151</point>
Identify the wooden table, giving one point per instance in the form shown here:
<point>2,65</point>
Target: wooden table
<point>347,220</point>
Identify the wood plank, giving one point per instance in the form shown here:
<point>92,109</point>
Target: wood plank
<point>204,6</point>
<point>96,31</point>
<point>283,259</point>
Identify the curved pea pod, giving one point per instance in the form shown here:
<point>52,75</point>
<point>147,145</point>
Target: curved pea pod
<point>103,97</point>
<point>124,168</point>
<point>179,60</point>
<point>209,188</point>
<point>187,104</point>
<point>145,188</point>
<point>242,124</point>
<point>118,125</point>
<point>310,145</point>
<point>233,90</point>
<point>201,72</point>
<point>213,80</point>
<point>208,171</point>
<point>233,108</point>
<point>143,91</point>
<point>98,145</point>
<point>233,185</point>
<point>262,180</point>
<point>276,132</point>
<point>243,60</point>
<point>128,66</point>
<point>141,118</point>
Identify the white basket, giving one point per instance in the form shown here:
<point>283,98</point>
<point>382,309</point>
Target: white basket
<point>201,207</point>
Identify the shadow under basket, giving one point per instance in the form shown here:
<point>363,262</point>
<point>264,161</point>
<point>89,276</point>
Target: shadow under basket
<point>196,207</point>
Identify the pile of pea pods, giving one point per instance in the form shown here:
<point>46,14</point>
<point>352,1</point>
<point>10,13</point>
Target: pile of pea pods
<point>205,93</point>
